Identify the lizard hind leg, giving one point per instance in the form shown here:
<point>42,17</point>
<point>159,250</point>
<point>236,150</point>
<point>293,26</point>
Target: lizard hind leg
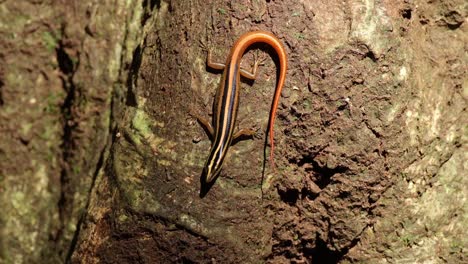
<point>243,134</point>
<point>206,125</point>
<point>252,75</point>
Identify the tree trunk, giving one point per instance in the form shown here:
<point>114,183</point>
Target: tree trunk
<point>101,157</point>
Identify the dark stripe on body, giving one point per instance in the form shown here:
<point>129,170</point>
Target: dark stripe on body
<point>228,94</point>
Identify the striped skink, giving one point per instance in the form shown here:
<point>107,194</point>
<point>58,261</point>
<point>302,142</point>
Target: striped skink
<point>221,130</point>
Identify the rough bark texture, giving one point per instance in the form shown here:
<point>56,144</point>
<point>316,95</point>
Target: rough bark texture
<point>100,159</point>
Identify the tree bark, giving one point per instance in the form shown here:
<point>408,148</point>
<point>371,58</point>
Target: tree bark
<point>100,156</point>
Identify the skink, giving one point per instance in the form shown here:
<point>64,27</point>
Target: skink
<point>221,131</point>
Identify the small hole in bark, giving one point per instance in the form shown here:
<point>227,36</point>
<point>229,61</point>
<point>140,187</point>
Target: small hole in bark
<point>406,13</point>
<point>322,254</point>
<point>322,174</point>
<point>186,261</point>
<point>371,56</point>
<point>289,196</point>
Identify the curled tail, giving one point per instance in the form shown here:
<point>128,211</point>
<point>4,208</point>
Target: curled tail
<point>265,37</point>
